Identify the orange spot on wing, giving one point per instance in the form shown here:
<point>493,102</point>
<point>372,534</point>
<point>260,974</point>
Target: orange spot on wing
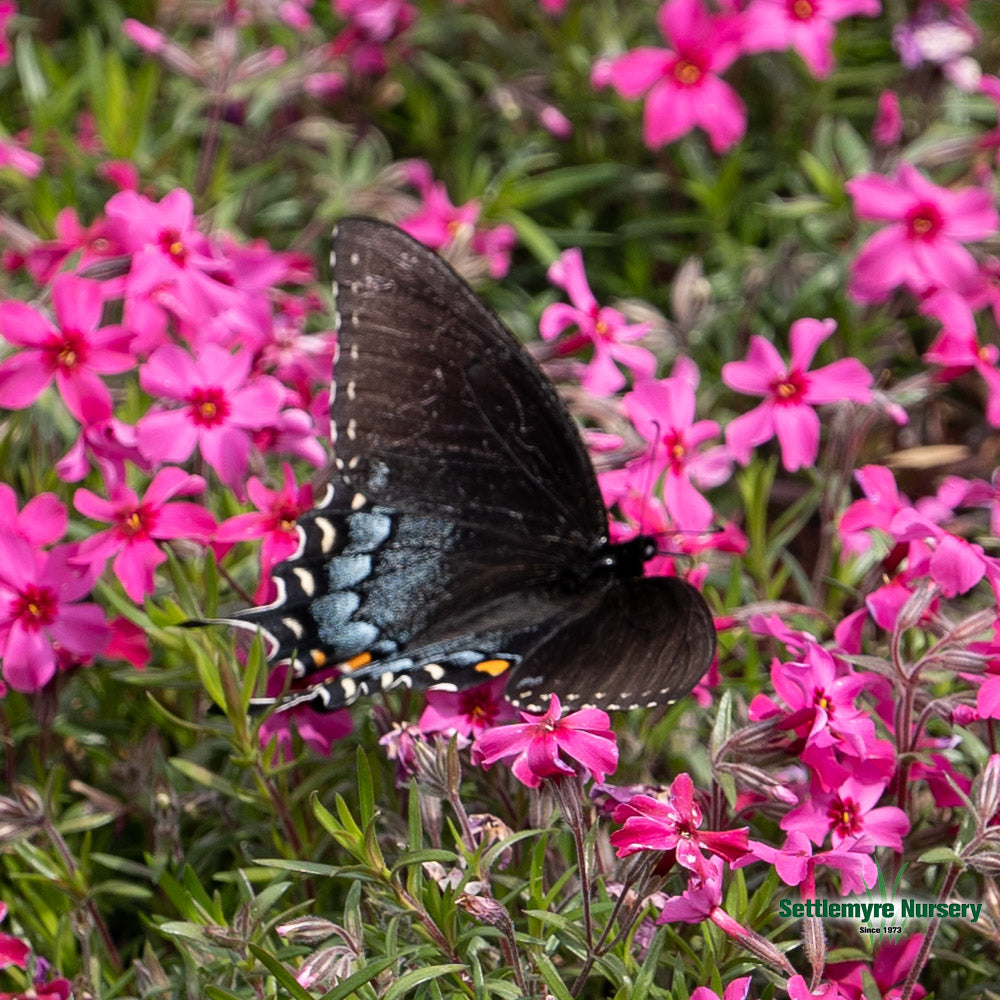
<point>492,667</point>
<point>361,660</point>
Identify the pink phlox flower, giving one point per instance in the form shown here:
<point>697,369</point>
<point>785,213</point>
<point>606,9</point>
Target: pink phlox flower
<point>122,173</point>
<point>541,745</point>
<point>40,613</point>
<point>799,989</point>
<point>955,565</point>
<point>275,521</point>
<point>441,225</point>
<point>108,443</point>
<point>401,743</point>
<point>128,642</point>
<point>957,348</point>
<point>318,730</point>
<point>293,432</point>
<point>955,492</point>
<point>681,83</point>
<point>672,825</point>
<point>469,712</point>
<point>43,520</point>
<point>808,26</point>
<point>776,627</point>
<point>881,503</point>
<point>137,526</point>
<point>15,156</point>
<point>605,330</point>
<point>628,489</point>
<point>738,989</point>
<point>13,951</point>
<point>93,243</point>
<point>701,898</point>
<point>7,11</point>
<point>295,13</point>
<point>817,705</point>
<point>74,351</point>
<point>168,251</point>
<point>892,962</point>
<point>796,863</point>
<point>887,129</point>
<point>220,406</point>
<point>942,778</point>
<point>849,815</point>
<point>663,413</point>
<point>923,245</point>
<point>790,392</point>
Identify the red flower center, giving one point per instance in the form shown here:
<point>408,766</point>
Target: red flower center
<point>789,389</point>
<point>687,73</point>
<point>803,10</point>
<point>35,607</point>
<point>208,407</point>
<point>173,246</point>
<point>844,817</point>
<point>138,522</point>
<point>676,447</point>
<point>821,700</point>
<point>69,352</point>
<point>923,221</point>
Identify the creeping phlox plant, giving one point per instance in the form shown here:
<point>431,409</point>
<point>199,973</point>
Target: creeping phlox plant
<point>756,244</point>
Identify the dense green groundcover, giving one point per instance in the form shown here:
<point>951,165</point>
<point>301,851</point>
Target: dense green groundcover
<point>152,844</point>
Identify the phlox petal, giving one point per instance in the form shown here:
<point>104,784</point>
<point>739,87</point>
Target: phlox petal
<point>797,428</point>
<point>748,430</point>
<point>805,336</point>
<point>28,661</point>
<point>636,71</point>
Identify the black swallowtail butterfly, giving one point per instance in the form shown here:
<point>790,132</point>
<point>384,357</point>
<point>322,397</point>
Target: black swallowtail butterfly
<point>463,534</point>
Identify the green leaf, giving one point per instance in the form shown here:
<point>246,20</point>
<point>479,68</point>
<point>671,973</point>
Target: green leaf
<point>285,979</point>
<point>358,979</point>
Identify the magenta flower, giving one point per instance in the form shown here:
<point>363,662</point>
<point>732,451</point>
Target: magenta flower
<point>881,504</point>
<point>922,247</point>
<point>7,11</point>
<point>220,407</point>
<point>957,348</point>
<point>681,83</point>
<point>892,962</point>
<point>137,525</point>
<point>275,521</point>
<point>470,712</point>
<point>738,989</point>
<point>24,161</point>
<point>796,864</point>
<point>603,329</point>
<point>439,224</point>
<point>887,129</point>
<point>318,730</point>
<point>817,706</point>
<point>168,252</point>
<point>39,592</point>
<point>74,352</point>
<point>700,899</point>
<point>849,814</point>
<point>653,825</point>
<point>42,521</point>
<point>663,413</point>
<point>790,392</point>
<point>540,744</point>
<point>954,564</point>
<point>804,25</point>
<point>13,951</point>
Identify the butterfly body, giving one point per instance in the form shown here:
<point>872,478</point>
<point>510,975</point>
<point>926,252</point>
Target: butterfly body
<point>463,534</point>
